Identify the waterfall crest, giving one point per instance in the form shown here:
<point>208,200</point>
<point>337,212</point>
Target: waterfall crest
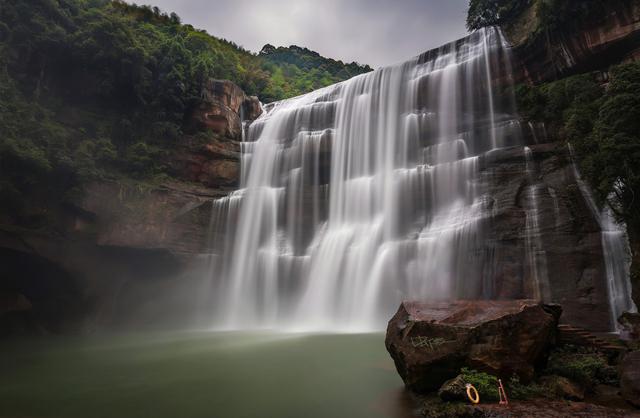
<point>367,192</point>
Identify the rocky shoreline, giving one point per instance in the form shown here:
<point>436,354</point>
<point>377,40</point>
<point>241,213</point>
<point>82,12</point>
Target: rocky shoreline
<point>541,408</point>
<point>547,370</point>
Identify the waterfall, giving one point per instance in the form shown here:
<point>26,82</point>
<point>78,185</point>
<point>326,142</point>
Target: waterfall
<point>362,194</point>
<point>616,252</point>
<point>536,257</point>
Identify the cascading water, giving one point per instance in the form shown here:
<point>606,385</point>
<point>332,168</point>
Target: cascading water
<point>535,254</point>
<point>367,192</point>
<point>617,254</point>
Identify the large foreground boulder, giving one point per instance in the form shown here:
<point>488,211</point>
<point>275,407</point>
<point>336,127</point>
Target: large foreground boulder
<point>431,342</point>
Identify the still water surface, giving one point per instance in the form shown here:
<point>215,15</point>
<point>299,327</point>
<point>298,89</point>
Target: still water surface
<point>191,375</point>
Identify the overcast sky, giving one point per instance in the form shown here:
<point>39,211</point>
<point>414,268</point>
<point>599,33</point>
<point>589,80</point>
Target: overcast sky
<point>374,32</point>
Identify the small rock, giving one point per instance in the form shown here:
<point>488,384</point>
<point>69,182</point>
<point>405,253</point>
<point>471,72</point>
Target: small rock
<point>13,302</point>
<point>609,396</point>
<point>563,387</point>
<point>630,323</point>
<point>630,378</point>
<point>453,390</point>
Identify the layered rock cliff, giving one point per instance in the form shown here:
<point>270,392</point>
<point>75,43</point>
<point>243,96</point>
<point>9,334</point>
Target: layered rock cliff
<point>586,44</point>
<point>120,251</point>
<point>544,231</point>
<point>591,44</point>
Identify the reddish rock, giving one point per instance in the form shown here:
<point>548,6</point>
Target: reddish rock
<point>588,45</point>
<point>215,165</point>
<point>453,389</point>
<point>251,108</point>
<point>222,108</point>
<point>431,342</point>
<point>563,387</point>
<point>630,378</point>
<point>172,216</point>
<point>569,233</point>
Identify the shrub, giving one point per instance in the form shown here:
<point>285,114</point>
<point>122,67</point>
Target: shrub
<point>603,125</point>
<point>493,12</point>
<point>485,384</point>
<point>520,391</point>
<point>143,159</point>
<point>587,369</point>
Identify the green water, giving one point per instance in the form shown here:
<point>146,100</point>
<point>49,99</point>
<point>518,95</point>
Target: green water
<point>212,375</point>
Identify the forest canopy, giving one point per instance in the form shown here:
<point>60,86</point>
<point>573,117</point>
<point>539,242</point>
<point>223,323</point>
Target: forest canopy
<point>484,13</point>
<point>551,14</point>
<point>94,88</point>
<point>603,125</point>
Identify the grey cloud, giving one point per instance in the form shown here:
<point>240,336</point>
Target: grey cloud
<point>375,32</point>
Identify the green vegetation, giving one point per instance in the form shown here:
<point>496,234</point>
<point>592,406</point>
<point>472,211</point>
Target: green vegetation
<point>552,14</point>
<point>434,407</point>
<point>599,119</point>
<point>520,391</point>
<point>485,384</point>
<point>587,369</point>
<point>95,88</point>
<point>493,12</point>
<point>603,125</point>
<point>566,14</point>
<point>298,70</point>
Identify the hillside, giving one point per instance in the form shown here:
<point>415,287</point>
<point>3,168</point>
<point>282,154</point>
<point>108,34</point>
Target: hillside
<point>298,70</point>
<point>104,89</point>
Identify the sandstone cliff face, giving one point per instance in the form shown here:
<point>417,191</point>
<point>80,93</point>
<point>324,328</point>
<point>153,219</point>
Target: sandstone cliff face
<point>593,44</point>
<point>585,46</point>
<point>562,251</point>
<point>120,254</point>
<point>214,163</point>
<point>223,108</point>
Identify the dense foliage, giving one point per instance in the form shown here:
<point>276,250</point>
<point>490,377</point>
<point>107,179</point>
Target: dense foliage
<point>493,12</point>
<point>521,391</point>
<point>566,15</point>
<point>297,70</point>
<point>603,124</point>
<point>97,87</point>
<point>552,14</point>
<point>587,369</point>
<point>485,384</point>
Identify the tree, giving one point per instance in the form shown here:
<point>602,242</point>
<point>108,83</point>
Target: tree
<point>484,13</point>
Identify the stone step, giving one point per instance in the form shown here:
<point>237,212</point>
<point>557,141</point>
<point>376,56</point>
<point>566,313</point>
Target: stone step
<point>569,334</point>
<point>613,348</point>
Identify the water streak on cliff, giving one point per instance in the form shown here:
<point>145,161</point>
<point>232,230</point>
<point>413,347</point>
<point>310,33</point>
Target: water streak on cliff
<point>617,254</point>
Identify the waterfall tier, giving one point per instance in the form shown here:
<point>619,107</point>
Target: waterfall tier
<point>374,190</point>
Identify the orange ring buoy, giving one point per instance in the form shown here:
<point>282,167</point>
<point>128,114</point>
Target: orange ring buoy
<point>472,394</point>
